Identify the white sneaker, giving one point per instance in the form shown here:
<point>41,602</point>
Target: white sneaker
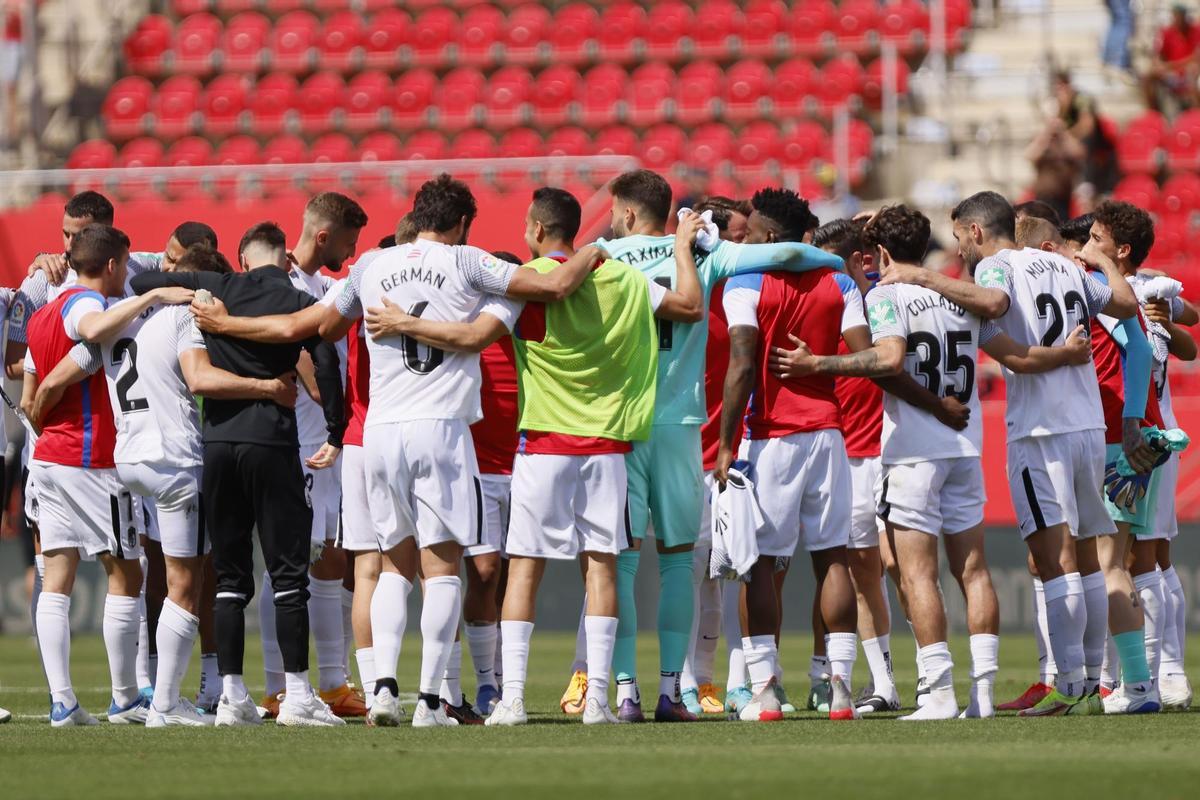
<point>508,713</point>
<point>133,714</point>
<point>841,702</point>
<point>241,712</point>
<point>386,711</point>
<point>1128,700</point>
<point>1176,692</point>
<point>5,715</point>
<point>425,717</point>
<point>309,712</point>
<point>182,713</point>
<point>763,707</point>
<point>63,717</point>
<point>939,704</point>
<point>597,713</point>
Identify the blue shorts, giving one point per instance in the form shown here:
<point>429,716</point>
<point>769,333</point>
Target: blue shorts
<point>666,484</point>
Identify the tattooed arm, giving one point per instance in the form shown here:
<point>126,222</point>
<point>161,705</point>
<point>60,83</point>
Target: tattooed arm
<point>739,382</point>
<point>883,359</point>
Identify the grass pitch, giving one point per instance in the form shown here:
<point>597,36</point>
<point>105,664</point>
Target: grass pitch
<point>554,756</point>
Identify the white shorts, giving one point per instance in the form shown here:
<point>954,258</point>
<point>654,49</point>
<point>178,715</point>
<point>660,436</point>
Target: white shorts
<point>356,531</point>
<point>423,481</point>
<point>323,489</point>
<point>566,505</point>
<point>31,495</point>
<point>86,509</point>
<point>1166,523</point>
<point>497,491</point>
<point>865,477</point>
<point>945,495</point>
<point>171,498</point>
<point>803,485</point>
<point>1057,479</point>
<point>704,535</point>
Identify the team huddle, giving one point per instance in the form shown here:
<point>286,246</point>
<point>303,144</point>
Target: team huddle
<point>752,383</point>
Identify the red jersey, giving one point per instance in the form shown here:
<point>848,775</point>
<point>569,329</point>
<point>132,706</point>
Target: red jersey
<point>358,383</point>
<point>495,435</point>
<point>80,430</point>
<point>861,402</point>
<point>1110,372</point>
<point>1178,46</point>
<point>716,360</point>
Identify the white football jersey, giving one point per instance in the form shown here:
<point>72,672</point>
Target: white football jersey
<point>1048,296</point>
<point>310,417</point>
<point>437,282</point>
<point>1160,340</point>
<point>941,341</point>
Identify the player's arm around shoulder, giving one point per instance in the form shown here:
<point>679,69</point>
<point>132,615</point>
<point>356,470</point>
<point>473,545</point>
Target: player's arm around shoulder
<point>1030,359</point>
<point>986,297</point>
<point>559,283</point>
<point>685,303</point>
<point>82,361</point>
<point>492,322</point>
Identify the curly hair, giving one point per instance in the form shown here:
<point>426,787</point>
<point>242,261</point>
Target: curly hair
<point>441,204</point>
<point>1077,229</point>
<point>1129,225</point>
<point>902,231</point>
<point>840,236</point>
<point>788,212</point>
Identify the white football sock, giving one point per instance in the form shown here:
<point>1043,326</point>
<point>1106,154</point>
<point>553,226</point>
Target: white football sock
<point>601,639</point>
<point>778,666</point>
<point>120,640</point>
<point>580,662</point>
<point>347,631</point>
<point>920,665</point>
<point>939,675</point>
<point>1151,592</point>
<point>365,656</point>
<point>760,660</point>
<point>325,620</point>
<point>1112,665</point>
<point>441,610</point>
<point>176,634</point>
<point>879,658</point>
<point>985,663</point>
<point>1174,630</point>
<point>708,632</point>
<point>297,686</point>
<point>39,574</point>
<point>54,641</point>
<point>272,657</point>
<point>516,635</point>
<point>1066,619</point>
<point>1046,666</point>
<point>818,668</point>
<point>732,628</point>
<point>234,688</point>
<point>146,672</point>
<point>389,617</point>
<point>628,690</point>
<point>210,679</point>
<point>481,643</point>
<point>1095,632</point>
<point>842,649</point>
<point>451,689</point>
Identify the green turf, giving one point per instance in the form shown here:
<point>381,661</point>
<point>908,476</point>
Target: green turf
<point>1062,758</point>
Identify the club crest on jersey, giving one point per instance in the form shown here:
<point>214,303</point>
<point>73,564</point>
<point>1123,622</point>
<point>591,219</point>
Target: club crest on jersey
<point>991,277</point>
<point>883,313</point>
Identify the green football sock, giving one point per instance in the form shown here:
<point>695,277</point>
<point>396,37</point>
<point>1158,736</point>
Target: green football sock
<point>625,649</point>
<point>675,608</point>
<point>1131,647</point>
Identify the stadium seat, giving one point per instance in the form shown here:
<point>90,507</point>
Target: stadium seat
<point>505,97</point>
<point>604,87</point>
<point>520,143</point>
<point>332,148</point>
<point>272,102</point>
<point>380,146</point>
<point>620,26</point>
<point>958,18</point>
<point>183,8</point>
<point>320,98</point>
<point>126,106</point>
<point>757,144</point>
<point>806,143</point>
<point>574,26</point>
<point>191,151</point>
<point>285,150</point>
<point>196,40</point>
<point>709,145</point>
<point>667,23</point>
<point>764,24</point>
<point>616,140</point>
<point>747,87</point>
<point>236,6</point>
<point>860,137</point>
<point>872,87</point>
<point>175,105</point>
<point>697,89</point>
<point>245,42</point>
<point>222,105</point>
<point>525,33</point>
<point>812,26</point>
<point>1183,142</point>
<point>426,145</point>
<point>147,46</point>
<point>1138,148</point>
<point>457,95</point>
<point>238,151</point>
<point>553,94</point>
<point>479,34</point>
<point>857,26</point>
<point>1150,121</point>
<point>716,29</point>
<point>793,87</point>
<point>292,42</point>
<point>841,80</point>
<point>1181,194</point>
<point>905,23</point>
<point>384,36</point>
<point>662,146</point>
<point>92,154</point>
<point>367,95</point>
<point>430,34</point>
<point>568,141</point>
<point>141,152</point>
<point>413,98</point>
<point>473,143</point>
<point>339,40</point>
<point>1141,190</point>
<point>649,90</point>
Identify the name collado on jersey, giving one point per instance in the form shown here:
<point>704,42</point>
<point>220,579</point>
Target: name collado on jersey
<point>411,274</point>
<point>919,305</point>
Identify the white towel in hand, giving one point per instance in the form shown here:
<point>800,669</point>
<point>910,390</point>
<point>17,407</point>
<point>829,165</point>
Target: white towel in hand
<point>736,523</point>
<point>709,237</point>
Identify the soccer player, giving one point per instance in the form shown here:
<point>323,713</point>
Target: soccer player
<point>666,478</point>
<point>1055,448</point>
<point>732,217</point>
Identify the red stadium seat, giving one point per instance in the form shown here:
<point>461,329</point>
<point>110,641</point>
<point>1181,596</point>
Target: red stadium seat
<point>616,140</point>
<point>717,29</point>
<point>143,152</point>
<point>1150,121</point>
<point>238,151</point>
<point>505,97</point>
<point>293,40</point>
<point>841,80</point>
<point>697,89</point>
<point>1141,190</point>
<point>245,42</point>
<point>236,6</point>
<point>568,141</point>
<point>649,89</point>
<point>380,146</point>
<point>525,34</point>
<point>474,143</point>
<point>812,27</point>
<point>764,24</point>
<point>285,150</point>
<point>183,8</point>
<point>667,23</point>
<point>905,23</point>
<point>430,34</point>
<point>146,48</point>
<point>222,105</point>
<point>92,154</point>
<point>1173,236</point>
<point>384,36</point>
<point>1183,142</point>
<point>426,145</point>
<point>191,151</point>
<point>554,91</point>
<point>747,86</point>
<point>603,89</point>
<point>1181,194</point>
<point>857,25</point>
<point>339,40</point>
<point>793,87</point>
<point>413,98</point>
<point>573,27</point>
<point>196,40</point>
<point>709,145</point>
<point>872,87</point>
<point>366,96</point>
<point>175,106</point>
<point>332,148</point>
<point>126,106</point>
<point>757,144</point>
<point>319,97</point>
<point>958,17</point>
<point>480,31</point>
<point>621,24</point>
<point>458,94</point>
<point>272,102</point>
<point>662,146</point>
<point>808,142</point>
<point>521,143</point>
<point>1137,149</point>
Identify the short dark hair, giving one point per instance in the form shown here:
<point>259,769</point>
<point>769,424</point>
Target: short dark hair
<point>268,233</point>
<point>723,209</point>
<point>788,210</point>
<point>94,246</point>
<point>1036,208</point>
<point>203,257</point>
<point>558,211</point>
<point>337,209</point>
<point>902,231</point>
<point>841,236</point>
<point>1129,225</point>
<point>990,211</point>
<point>504,255</point>
<point>646,189</point>
<point>387,241</point>
<point>441,204</point>
<point>1077,229</point>
<point>90,204</point>
<point>190,233</point>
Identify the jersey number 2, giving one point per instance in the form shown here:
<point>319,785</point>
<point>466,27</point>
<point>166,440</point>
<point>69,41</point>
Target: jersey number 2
<point>412,354</point>
<point>128,378</point>
<point>1048,308</point>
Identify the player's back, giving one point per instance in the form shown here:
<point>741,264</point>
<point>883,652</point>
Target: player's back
<point>310,417</point>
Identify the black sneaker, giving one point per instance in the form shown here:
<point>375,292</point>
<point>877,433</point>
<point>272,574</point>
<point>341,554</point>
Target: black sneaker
<point>464,713</point>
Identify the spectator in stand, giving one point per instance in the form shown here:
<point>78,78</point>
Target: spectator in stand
<point>1081,118</point>
<point>1120,31</point>
<point>1057,159</point>
<point>10,71</point>
<point>1175,67</point>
